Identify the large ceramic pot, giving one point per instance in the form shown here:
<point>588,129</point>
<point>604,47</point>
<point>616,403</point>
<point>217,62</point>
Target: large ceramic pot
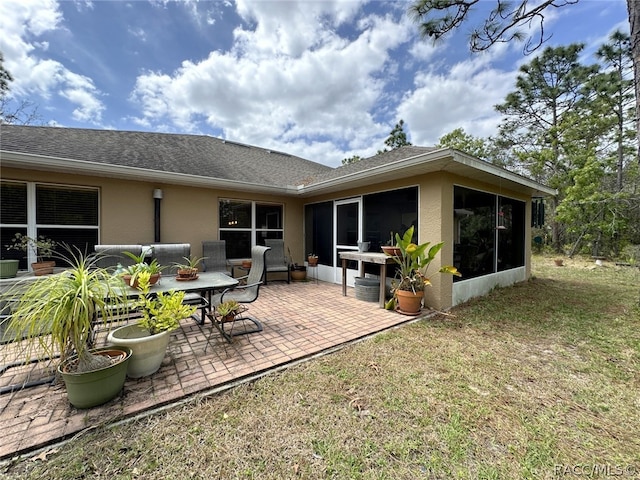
<point>409,303</point>
<point>148,350</point>
<point>8,268</point>
<point>90,389</point>
<point>298,273</point>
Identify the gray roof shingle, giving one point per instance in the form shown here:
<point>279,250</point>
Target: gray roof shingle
<point>175,153</point>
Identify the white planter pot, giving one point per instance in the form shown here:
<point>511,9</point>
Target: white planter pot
<point>148,350</point>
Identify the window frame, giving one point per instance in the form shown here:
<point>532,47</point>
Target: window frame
<point>32,227</point>
<point>253,230</point>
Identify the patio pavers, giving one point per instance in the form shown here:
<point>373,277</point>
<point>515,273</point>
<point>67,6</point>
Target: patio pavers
<point>300,320</point>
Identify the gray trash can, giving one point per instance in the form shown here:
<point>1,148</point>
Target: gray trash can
<point>367,289</point>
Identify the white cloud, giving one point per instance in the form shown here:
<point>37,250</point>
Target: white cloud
<point>21,22</point>
<point>279,86</point>
<point>463,97</point>
<point>323,79</point>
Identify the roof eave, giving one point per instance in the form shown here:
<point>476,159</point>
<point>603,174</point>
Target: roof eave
<point>537,189</point>
<point>66,165</point>
<point>408,166</point>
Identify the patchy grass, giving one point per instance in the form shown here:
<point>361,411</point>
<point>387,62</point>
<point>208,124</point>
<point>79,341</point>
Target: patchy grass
<point>539,380</point>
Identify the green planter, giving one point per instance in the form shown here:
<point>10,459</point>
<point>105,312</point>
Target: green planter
<point>90,389</point>
<point>148,350</point>
<point>8,268</point>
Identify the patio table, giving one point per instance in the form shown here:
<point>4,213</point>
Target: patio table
<point>205,284</point>
<point>378,258</point>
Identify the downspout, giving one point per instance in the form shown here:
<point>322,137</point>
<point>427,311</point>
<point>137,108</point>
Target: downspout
<point>157,197</point>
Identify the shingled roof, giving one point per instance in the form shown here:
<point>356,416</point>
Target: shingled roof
<point>173,153</point>
<point>208,161</point>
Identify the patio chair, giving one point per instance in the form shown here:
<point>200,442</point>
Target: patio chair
<point>215,256</point>
<point>168,254</point>
<point>109,256</point>
<point>276,260</point>
<point>242,294</point>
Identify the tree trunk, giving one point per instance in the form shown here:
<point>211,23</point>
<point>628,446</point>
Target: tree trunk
<point>633,7</point>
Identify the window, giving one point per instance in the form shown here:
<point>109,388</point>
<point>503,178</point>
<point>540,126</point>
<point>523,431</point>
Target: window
<point>385,212</point>
<point>318,231</point>
<point>244,224</point>
<point>65,214</point>
<point>488,233</point>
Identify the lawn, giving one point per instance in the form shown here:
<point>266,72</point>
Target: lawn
<point>539,380</point>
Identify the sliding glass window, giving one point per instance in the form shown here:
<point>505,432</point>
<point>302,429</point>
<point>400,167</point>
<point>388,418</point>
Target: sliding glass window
<point>245,223</point>
<point>488,233</point>
<point>66,214</point>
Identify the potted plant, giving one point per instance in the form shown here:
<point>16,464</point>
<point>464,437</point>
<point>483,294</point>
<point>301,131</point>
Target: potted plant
<point>189,269</point>
<point>149,337</point>
<point>58,313</point>
<point>131,273</point>
<point>390,247</point>
<point>312,259</point>
<point>8,268</point>
<point>228,310</point>
<point>411,277</point>
<point>298,272</point>
<point>42,247</point>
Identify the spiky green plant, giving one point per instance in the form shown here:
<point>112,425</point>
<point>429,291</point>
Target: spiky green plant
<point>58,312</point>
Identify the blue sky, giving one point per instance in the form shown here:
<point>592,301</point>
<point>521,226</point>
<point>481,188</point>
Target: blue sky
<point>323,80</point>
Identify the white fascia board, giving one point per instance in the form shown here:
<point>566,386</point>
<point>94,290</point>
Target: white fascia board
<point>375,171</point>
<point>487,167</point>
<point>65,165</point>
<point>424,159</point>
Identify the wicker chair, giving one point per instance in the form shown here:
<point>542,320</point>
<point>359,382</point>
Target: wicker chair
<point>242,294</point>
<point>276,260</point>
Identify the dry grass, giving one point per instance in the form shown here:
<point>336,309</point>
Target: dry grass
<point>525,383</point>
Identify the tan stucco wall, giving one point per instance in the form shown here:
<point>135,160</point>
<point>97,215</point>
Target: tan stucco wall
<point>435,197</point>
<point>191,214</point>
<point>188,214</point>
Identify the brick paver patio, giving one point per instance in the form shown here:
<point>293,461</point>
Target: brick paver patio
<point>301,319</point>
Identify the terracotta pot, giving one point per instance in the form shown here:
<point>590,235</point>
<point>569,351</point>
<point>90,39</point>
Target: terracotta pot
<point>393,251</point>
<point>313,261</point>
<point>246,264</point>
<point>152,280</point>
<point>559,262</point>
<point>409,302</point>
<point>187,273</point>
<point>298,273</point>
<point>43,268</point>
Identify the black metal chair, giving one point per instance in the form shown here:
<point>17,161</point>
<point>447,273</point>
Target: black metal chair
<point>242,294</point>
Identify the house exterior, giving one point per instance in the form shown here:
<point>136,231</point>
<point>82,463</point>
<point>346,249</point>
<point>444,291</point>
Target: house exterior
<point>88,187</point>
